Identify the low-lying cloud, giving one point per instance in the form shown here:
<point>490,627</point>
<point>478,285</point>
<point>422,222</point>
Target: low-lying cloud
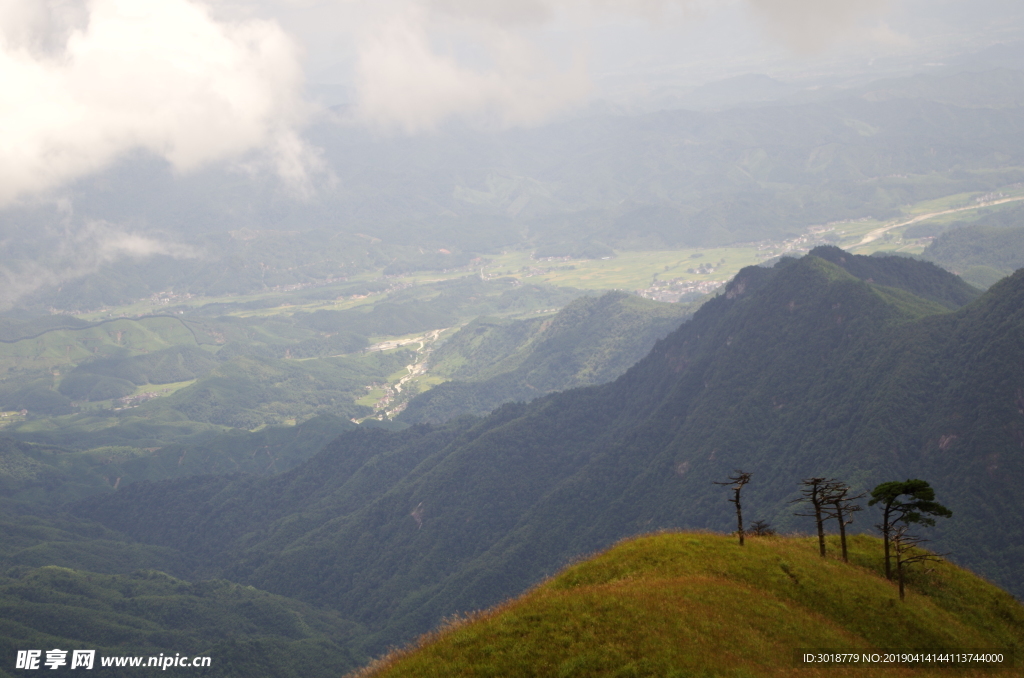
<point>404,82</point>
<point>86,81</point>
<point>812,25</point>
<point>413,74</point>
<point>75,251</point>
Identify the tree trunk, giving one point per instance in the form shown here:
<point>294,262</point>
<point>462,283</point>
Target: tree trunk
<point>886,534</point>
<point>842,534</point>
<point>739,516</point>
<point>816,491</point>
<point>821,530</point>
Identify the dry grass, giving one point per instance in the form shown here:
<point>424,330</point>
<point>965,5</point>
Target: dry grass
<point>689,604</point>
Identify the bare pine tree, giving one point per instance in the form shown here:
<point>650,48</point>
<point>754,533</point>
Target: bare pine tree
<point>737,480</point>
<point>815,492</point>
<point>906,551</point>
<point>841,506</point>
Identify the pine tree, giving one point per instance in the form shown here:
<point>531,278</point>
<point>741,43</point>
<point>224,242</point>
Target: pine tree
<point>919,508</point>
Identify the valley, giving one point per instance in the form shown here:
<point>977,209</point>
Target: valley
<point>265,360</point>
<point>631,270</point>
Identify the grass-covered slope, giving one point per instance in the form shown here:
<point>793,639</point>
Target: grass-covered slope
<point>590,341</point>
<point>697,604</point>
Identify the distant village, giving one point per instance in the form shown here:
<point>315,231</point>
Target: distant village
<point>679,289</point>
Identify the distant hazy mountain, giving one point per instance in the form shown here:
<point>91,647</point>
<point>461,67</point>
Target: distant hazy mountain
<point>670,178</point>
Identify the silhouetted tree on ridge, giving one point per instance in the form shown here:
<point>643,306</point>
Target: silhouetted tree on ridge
<point>737,480</point>
<point>816,492</point>
<point>840,505</point>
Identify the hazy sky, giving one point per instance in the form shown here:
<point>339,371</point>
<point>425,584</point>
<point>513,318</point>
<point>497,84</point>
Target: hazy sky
<point>197,81</point>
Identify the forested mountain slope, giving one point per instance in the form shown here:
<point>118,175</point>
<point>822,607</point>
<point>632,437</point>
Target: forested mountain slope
<point>590,341</point>
<point>803,369</point>
<point>984,251</point>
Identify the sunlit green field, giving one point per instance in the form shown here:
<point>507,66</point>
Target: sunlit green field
<point>627,270</point>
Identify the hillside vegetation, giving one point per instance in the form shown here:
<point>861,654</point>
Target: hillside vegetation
<point>698,604</point>
<point>805,369</point>
<point>984,251</point>
<point>140,407</point>
<point>50,474</point>
<point>245,632</point>
<point>72,584</point>
<point>220,390</point>
<point>590,341</point>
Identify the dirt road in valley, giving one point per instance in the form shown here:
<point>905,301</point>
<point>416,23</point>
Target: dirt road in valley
<point>392,401</point>
<point>879,232</point>
<point>420,366</point>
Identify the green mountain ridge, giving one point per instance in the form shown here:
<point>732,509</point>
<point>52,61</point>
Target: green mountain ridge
<point>803,369</point>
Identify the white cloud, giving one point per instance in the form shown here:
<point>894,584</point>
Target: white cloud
<point>85,82</point>
<point>489,60</point>
<point>426,61</point>
<point>814,25</point>
<point>884,34</point>
<point>403,81</point>
<point>196,81</point>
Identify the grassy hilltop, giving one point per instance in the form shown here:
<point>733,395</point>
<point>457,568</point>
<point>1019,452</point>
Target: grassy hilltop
<point>697,604</point>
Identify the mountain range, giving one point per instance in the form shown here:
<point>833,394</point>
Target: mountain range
<point>867,369</point>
